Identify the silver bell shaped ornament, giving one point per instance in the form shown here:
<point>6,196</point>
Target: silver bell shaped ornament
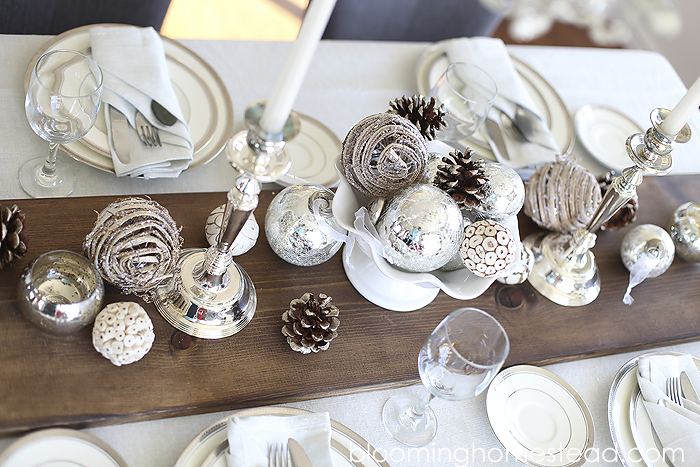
<point>647,251</point>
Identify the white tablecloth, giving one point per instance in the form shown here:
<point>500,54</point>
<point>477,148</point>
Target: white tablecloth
<point>346,82</point>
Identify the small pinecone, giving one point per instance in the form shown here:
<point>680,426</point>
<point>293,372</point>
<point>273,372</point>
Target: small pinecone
<point>311,324</point>
<point>13,234</point>
<point>627,213</point>
<point>423,113</point>
<point>463,178</point>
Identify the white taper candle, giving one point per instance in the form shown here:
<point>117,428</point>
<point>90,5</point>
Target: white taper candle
<point>279,106</point>
<point>682,112</point>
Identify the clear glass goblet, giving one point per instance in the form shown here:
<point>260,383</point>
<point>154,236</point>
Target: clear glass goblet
<point>63,98</point>
<point>467,92</point>
<point>457,362</point>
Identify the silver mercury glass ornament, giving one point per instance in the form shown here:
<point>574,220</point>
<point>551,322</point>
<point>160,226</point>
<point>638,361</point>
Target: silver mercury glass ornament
<point>300,227</point>
<point>420,228</point>
<point>685,231</point>
<point>505,196</point>
<point>565,270</point>
<point>209,295</point>
<point>652,241</point>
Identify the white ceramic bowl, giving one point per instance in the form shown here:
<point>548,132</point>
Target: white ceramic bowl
<point>388,287</point>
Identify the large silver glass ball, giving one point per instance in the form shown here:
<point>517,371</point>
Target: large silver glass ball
<point>651,240</point>
<point>505,196</point>
<point>420,228</point>
<point>292,229</point>
<point>685,231</point>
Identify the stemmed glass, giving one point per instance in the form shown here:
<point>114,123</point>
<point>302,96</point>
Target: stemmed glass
<point>467,93</point>
<point>457,362</point>
<point>63,98</point>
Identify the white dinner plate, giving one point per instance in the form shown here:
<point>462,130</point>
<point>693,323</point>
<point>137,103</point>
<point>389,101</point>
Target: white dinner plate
<point>603,131</point>
<point>539,418</point>
<point>208,449</point>
<point>60,447</point>
<point>313,153</point>
<point>621,391</point>
<point>204,100</point>
<point>433,62</point>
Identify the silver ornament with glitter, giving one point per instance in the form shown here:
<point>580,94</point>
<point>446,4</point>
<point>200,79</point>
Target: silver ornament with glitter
<point>246,237</point>
<point>297,234</point>
<point>522,269</point>
<point>685,231</point>
<point>652,241</point>
<point>383,153</point>
<point>562,196</point>
<point>420,228</point>
<point>505,195</point>
<point>488,248</point>
<point>134,244</point>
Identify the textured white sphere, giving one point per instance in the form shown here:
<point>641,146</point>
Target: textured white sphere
<point>246,238</point>
<point>488,248</point>
<point>420,228</point>
<point>123,333</point>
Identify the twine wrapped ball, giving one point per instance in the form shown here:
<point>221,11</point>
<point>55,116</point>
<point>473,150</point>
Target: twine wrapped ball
<point>488,248</point>
<point>134,245</point>
<point>562,196</point>
<point>123,333</point>
<point>384,153</point>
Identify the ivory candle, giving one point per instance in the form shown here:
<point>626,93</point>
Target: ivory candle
<point>279,106</point>
<point>682,112</point>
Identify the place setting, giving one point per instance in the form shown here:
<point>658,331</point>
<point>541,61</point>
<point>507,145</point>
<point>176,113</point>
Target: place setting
<point>654,411</point>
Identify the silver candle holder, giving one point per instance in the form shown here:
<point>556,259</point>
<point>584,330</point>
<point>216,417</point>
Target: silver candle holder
<point>209,295</point>
<point>565,270</point>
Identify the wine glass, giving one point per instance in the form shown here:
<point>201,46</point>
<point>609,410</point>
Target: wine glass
<point>457,362</point>
<point>63,98</point>
<point>467,92</point>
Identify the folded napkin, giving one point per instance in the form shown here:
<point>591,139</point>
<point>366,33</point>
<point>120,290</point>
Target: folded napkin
<point>491,55</point>
<point>678,433</point>
<point>249,438</point>
<point>135,72</point>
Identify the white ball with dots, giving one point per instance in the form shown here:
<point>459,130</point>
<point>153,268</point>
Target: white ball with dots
<point>123,333</point>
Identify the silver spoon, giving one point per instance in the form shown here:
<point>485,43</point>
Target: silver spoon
<point>528,127</point>
<point>162,114</point>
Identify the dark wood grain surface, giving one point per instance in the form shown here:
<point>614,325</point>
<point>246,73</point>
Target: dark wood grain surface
<point>62,381</point>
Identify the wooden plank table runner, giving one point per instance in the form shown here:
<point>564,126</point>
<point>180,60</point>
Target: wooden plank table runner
<point>48,381</point>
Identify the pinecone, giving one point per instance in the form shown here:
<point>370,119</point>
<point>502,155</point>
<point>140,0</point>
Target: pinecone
<point>463,178</point>
<point>311,324</point>
<point>626,214</point>
<point>423,113</point>
<point>13,234</point>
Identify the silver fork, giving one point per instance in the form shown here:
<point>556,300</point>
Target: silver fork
<point>279,456</point>
<point>147,133</point>
<point>673,389</point>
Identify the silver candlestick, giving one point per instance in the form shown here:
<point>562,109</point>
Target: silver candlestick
<point>209,295</point>
<point>565,270</point>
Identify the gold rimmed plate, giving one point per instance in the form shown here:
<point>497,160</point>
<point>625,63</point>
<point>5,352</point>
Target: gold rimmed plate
<point>202,95</point>
<point>539,418</point>
<point>208,449</point>
<point>433,61</point>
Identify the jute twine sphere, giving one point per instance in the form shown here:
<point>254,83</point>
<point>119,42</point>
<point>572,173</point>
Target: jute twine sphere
<point>384,153</point>
<point>134,245</point>
<point>562,196</point>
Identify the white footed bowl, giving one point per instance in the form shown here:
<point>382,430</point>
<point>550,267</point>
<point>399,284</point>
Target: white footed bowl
<point>388,287</point>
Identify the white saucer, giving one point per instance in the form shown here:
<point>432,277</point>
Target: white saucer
<point>603,132</point>
<point>60,447</point>
<point>313,152</point>
<point>539,418</point>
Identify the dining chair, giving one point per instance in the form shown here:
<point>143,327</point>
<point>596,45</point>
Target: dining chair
<point>57,16</point>
<point>410,20</point>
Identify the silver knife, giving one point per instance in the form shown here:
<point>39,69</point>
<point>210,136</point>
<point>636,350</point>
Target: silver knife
<point>299,456</point>
<point>688,389</point>
<point>120,135</point>
<point>494,136</point>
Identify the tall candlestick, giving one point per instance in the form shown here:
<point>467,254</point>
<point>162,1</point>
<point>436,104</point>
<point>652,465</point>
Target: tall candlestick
<point>279,106</point>
<point>682,112</point>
